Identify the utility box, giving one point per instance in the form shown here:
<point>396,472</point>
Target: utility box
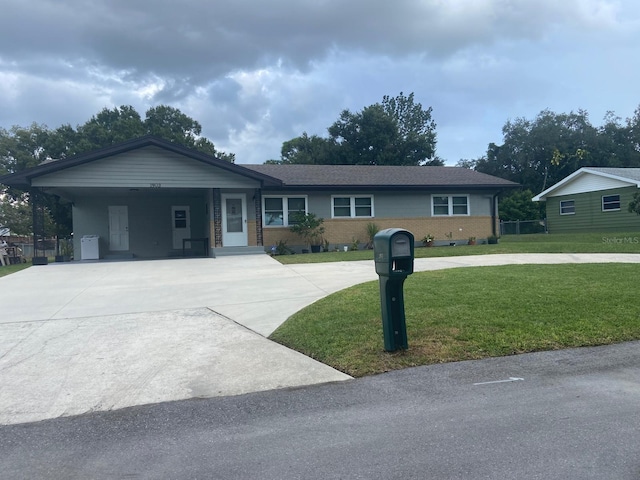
<point>393,251</point>
<point>90,247</point>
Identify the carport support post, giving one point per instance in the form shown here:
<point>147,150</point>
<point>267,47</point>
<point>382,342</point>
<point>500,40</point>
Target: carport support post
<point>394,325</point>
<point>39,248</point>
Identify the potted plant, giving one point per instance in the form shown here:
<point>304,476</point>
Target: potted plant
<point>372,230</point>
<point>309,227</point>
<point>472,240</point>
<point>492,240</point>
<point>65,249</point>
<point>450,238</point>
<point>427,240</point>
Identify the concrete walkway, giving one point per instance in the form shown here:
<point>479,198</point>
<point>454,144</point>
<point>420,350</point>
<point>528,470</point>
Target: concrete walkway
<point>81,337</point>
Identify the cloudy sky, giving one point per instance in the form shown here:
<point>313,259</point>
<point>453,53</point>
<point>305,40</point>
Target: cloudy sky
<point>256,73</point>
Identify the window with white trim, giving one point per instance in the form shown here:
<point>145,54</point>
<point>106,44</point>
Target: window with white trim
<point>352,206</point>
<point>610,202</point>
<point>449,205</point>
<point>280,211</point>
<point>567,207</point>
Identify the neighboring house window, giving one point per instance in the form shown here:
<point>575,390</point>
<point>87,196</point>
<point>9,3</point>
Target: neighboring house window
<point>610,202</point>
<point>567,207</point>
<point>279,211</point>
<point>352,206</point>
<point>448,205</point>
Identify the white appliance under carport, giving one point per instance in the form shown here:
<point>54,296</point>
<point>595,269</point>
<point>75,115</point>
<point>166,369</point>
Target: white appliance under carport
<point>90,247</point>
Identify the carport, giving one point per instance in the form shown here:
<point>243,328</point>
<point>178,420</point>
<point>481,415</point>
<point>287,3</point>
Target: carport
<point>149,198</point>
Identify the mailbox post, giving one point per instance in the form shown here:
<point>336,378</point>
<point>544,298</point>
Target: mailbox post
<point>393,255</point>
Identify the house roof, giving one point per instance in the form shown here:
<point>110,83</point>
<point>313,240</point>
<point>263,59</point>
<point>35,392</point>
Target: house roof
<point>282,176</point>
<point>626,175</point>
<point>379,176</point>
<point>23,179</point>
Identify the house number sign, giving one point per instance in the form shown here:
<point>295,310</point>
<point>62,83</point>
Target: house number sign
<point>155,185</point>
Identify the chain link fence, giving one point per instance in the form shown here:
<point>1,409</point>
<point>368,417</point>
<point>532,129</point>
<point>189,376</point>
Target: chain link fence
<point>523,227</point>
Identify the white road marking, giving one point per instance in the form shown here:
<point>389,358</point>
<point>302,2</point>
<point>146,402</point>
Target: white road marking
<point>510,379</point>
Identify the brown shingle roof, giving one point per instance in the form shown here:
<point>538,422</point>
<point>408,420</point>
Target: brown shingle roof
<point>379,176</point>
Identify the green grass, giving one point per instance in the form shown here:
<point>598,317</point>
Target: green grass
<point>472,313</point>
<point>625,242</point>
<point>9,269</point>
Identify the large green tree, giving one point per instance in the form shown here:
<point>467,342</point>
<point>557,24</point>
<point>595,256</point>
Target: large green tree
<point>517,205</point>
<point>397,131</point>
<point>540,152</point>
<point>307,149</point>
<point>416,140</point>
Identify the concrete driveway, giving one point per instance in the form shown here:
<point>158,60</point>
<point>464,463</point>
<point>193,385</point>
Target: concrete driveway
<point>80,337</point>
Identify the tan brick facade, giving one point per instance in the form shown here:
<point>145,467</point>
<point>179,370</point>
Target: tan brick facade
<point>344,231</point>
<point>251,233</point>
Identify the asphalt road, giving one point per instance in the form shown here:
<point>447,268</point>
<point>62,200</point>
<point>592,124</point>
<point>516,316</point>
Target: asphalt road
<point>572,414</point>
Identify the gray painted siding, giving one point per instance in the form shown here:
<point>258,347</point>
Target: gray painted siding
<point>589,215</point>
<point>146,167</point>
<point>150,233</point>
<point>393,204</point>
<point>413,205</point>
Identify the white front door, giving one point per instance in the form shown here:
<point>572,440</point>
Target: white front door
<point>234,220</point>
<point>118,228</point>
<point>180,225</point>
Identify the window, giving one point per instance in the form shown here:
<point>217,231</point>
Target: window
<point>447,205</point>
<point>352,206</point>
<point>279,211</point>
<point>610,202</point>
<point>567,207</point>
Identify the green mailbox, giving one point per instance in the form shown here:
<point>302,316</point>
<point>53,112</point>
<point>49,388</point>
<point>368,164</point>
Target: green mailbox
<point>393,255</point>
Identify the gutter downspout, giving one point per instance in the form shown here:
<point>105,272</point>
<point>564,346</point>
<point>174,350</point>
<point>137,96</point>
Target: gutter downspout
<point>494,212</point>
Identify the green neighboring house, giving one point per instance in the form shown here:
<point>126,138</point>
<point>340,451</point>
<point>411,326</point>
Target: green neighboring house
<point>592,199</point>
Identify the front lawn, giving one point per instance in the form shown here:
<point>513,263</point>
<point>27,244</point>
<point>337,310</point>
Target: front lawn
<point>472,313</point>
<point>625,242</point>
<point>9,269</point>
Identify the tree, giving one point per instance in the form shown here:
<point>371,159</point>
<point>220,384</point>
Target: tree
<point>518,206</point>
<point>172,125</point>
<point>397,131</point>
<point>467,163</point>
<point>307,150</point>
<point>21,148</point>
<point>416,129</point>
<point>369,137</point>
<point>616,145</point>
<point>108,127</point>
<point>308,226</point>
<point>15,214</point>
<point>538,153</point>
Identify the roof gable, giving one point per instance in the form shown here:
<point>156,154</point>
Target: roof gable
<point>592,179</point>
<point>145,167</point>
<point>26,177</point>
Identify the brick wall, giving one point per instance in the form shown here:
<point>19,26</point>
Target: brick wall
<point>343,231</point>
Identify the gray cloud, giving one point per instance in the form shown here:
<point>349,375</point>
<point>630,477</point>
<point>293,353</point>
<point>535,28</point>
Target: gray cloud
<point>257,73</point>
